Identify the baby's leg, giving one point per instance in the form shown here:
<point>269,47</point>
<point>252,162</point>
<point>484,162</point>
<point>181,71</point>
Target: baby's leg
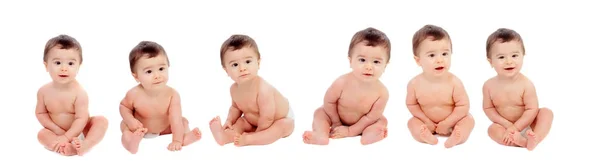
<point>540,126</point>
<point>461,131</point>
<point>280,128</point>
<point>131,140</point>
<point>94,133</point>
<point>375,132</point>
<point>321,126</point>
<point>48,139</point>
<point>190,136</point>
<point>420,132</point>
<point>223,136</point>
<point>496,132</point>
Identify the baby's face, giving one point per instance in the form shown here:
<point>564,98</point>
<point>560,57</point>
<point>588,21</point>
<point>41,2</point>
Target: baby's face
<point>62,64</point>
<point>506,58</point>
<point>152,73</point>
<point>434,56</point>
<point>242,64</point>
<point>368,63</point>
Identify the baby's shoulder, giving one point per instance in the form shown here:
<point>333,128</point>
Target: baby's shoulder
<point>415,80</point>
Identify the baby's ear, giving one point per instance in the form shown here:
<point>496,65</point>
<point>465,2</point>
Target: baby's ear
<point>490,61</point>
<point>135,77</point>
<point>417,60</point>
<point>46,65</point>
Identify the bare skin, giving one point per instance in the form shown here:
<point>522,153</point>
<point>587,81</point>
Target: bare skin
<point>62,110</point>
<point>156,112</point>
<point>513,106</point>
<point>439,106</point>
<point>257,116</point>
<point>352,108</point>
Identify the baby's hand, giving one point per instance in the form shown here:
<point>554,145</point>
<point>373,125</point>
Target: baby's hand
<point>431,126</point>
<point>340,132</point>
<point>228,126</point>
<point>175,146</point>
<point>62,139</point>
<point>443,128</point>
<point>135,124</point>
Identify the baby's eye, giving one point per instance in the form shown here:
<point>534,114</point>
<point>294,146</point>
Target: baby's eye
<point>161,68</point>
<point>71,63</point>
<point>444,54</point>
<point>149,71</point>
<point>248,61</point>
<point>431,55</point>
<point>376,62</point>
<point>500,57</point>
<point>57,62</point>
<point>234,64</point>
<point>361,60</point>
<point>515,55</point>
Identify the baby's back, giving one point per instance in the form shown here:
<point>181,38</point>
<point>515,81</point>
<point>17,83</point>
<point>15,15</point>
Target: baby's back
<point>435,98</point>
<point>355,101</point>
<point>507,97</point>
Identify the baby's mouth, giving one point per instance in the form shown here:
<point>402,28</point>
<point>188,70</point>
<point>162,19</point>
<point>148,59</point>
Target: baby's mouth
<point>439,68</point>
<point>509,68</point>
<point>367,74</point>
<point>63,75</point>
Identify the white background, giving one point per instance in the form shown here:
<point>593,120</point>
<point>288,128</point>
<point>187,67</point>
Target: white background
<point>304,47</point>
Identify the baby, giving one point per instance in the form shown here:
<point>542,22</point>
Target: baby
<point>509,99</point>
<point>437,98</point>
<point>152,108</point>
<point>259,114</point>
<point>354,103</point>
<point>62,105</point>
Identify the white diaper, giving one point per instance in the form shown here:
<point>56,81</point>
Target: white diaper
<point>151,135</point>
<point>524,131</point>
<point>290,113</point>
<point>81,137</point>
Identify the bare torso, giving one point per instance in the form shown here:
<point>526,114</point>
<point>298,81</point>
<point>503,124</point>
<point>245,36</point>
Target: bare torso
<point>60,104</point>
<point>435,98</point>
<point>152,111</point>
<point>355,100</point>
<point>246,100</point>
<point>507,98</point>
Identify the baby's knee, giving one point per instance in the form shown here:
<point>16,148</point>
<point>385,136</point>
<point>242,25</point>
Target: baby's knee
<point>185,120</point>
<point>101,121</point>
<point>320,112</point>
<point>545,112</point>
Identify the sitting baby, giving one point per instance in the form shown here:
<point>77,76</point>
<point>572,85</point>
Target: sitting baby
<point>152,108</point>
<point>354,103</point>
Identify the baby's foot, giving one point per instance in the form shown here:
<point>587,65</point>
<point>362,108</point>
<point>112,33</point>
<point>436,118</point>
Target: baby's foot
<point>310,138</point>
<point>132,142</point>
<point>79,146</point>
<point>374,137</point>
<point>454,139</point>
<point>217,131</point>
<point>531,140</point>
<point>192,137</point>
<point>240,140</point>
<point>518,139</point>
<point>68,149</point>
<point>427,136</point>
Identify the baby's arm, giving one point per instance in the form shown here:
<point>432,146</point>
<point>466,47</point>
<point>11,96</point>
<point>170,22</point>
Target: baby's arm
<point>175,118</point>
<point>330,101</point>
<point>490,109</point>
<point>126,111</point>
<point>531,107</point>
<point>234,111</point>
<point>413,105</point>
<point>461,103</point>
<point>42,115</point>
<point>81,115</point>
<point>374,114</point>
<point>266,107</point>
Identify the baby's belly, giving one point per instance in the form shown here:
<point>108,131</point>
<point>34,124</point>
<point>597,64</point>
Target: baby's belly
<point>155,125</point>
<point>437,113</point>
<point>350,117</point>
<point>63,120</point>
<point>252,118</point>
<point>512,114</point>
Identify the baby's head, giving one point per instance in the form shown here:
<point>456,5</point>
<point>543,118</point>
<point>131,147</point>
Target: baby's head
<point>240,58</point>
<point>432,48</point>
<point>505,50</point>
<point>62,58</point>
<point>369,53</point>
<point>149,64</point>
